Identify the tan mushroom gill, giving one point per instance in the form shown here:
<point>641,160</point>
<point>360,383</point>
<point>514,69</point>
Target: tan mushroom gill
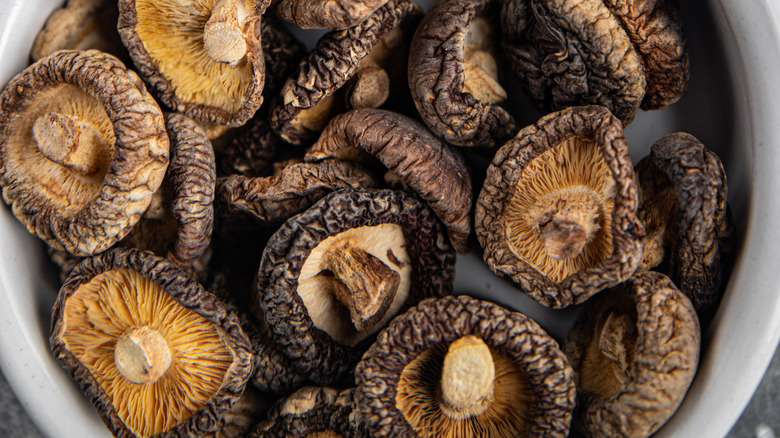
<point>480,68</point>
<point>157,361</point>
<point>465,389</point>
<point>559,218</point>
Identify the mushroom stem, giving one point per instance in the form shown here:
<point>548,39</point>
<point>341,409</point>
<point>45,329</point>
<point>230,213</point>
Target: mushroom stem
<point>369,89</point>
<point>142,355</point>
<point>223,36</point>
<point>70,142</point>
<point>481,73</point>
<point>363,283</point>
<point>467,378</point>
<point>569,221</point>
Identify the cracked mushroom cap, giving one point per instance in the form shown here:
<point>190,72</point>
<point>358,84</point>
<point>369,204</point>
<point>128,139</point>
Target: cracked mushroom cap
<point>683,206</point>
<point>453,74</point>
<point>83,148</point>
<point>409,151</point>
<point>334,275</point>
<point>617,54</point>
<point>359,61</point>
<point>558,210</point>
<point>461,367</point>
<point>326,14</point>
<point>635,350</point>
<point>203,59</point>
<point>179,221</point>
<point>154,352</point>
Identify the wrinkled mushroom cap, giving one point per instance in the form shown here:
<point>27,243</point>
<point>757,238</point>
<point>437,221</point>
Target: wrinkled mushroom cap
<point>311,411</point>
<point>82,149</point>
<point>326,14</point>
<point>557,211</point>
<point>635,350</point>
<point>152,350</point>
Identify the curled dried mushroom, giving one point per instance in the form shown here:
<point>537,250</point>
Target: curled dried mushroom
<point>634,349</point>
<point>558,210</point>
<point>83,148</point>
<point>461,367</point>
<point>326,14</point>
<point>153,351</point>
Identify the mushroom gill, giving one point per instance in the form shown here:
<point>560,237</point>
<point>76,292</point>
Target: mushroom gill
<point>157,361</point>
<point>559,218</point>
<point>465,389</point>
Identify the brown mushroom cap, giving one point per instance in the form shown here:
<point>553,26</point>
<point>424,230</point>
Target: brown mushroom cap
<point>398,379</point>
<point>128,316</point>
<point>82,149</point>
<point>360,240</point>
<point>250,151</point>
<point>282,53</point>
<point>635,350</point>
<point>326,14</point>
<point>557,211</point>
<point>411,152</point>
<point>320,412</point>
<point>307,99</point>
<point>453,75</point>
<point>169,46</point>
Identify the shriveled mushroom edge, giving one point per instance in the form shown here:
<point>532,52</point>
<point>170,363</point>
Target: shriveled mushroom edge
<point>666,326</point>
<point>310,349</point>
<point>308,411</point>
<point>186,292</point>
<point>431,323</point>
<point>506,168</point>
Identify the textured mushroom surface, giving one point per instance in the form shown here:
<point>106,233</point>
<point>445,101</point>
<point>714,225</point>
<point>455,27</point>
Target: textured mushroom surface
<point>634,349</point>
<point>82,149</point>
<point>326,14</point>
<point>408,150</point>
<point>558,210</point>
<point>250,152</point>
<point>453,74</point>
<point>455,345</point>
<point>152,350</point>
<point>683,205</point>
<point>282,53</point>
<point>203,59</point>
<point>332,276</point>
<point>307,99</point>
<point>320,412</point>
<point>617,54</point>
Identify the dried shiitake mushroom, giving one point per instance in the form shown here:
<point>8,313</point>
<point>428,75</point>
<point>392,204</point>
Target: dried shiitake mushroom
<point>282,53</point>
<point>203,59</point>
<point>411,153</point>
<point>154,352</point>
<point>359,60</point>
<point>250,151</point>
<point>82,149</point>
<point>326,14</point>
<point>334,275</point>
<point>617,54</point>
<point>461,367</point>
<point>558,210</point>
<point>453,74</point>
<point>683,206</point>
<point>634,349</point>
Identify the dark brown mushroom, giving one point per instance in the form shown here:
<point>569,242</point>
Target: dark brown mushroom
<point>251,151</point>
<point>282,53</point>
<point>617,54</point>
<point>326,14</point>
<point>83,148</point>
<point>356,60</point>
<point>334,275</point>
<point>453,74</point>
<point>461,367</point>
<point>634,349</point>
<point>410,152</point>
<point>203,59</point>
<point>558,210</point>
<point>153,351</point>
<point>683,206</point>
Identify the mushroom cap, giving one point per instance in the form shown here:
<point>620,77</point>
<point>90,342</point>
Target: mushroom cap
<point>250,151</point>
<point>438,76</point>
<point>319,14</point>
<point>282,53</point>
<point>112,294</point>
<point>411,152</point>
<point>81,214</point>
<point>430,272</point>
<point>663,341</point>
<point>436,322</point>
<point>579,147</point>
<point>335,59</point>
<point>165,40</point>
<point>310,411</point>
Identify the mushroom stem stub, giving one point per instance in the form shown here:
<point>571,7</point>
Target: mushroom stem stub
<point>362,283</point>
<point>568,220</point>
<point>70,142</point>
<point>467,378</point>
<point>370,88</point>
<point>223,36</point>
<point>142,355</point>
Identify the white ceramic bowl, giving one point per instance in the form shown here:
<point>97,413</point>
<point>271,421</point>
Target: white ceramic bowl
<point>731,105</point>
